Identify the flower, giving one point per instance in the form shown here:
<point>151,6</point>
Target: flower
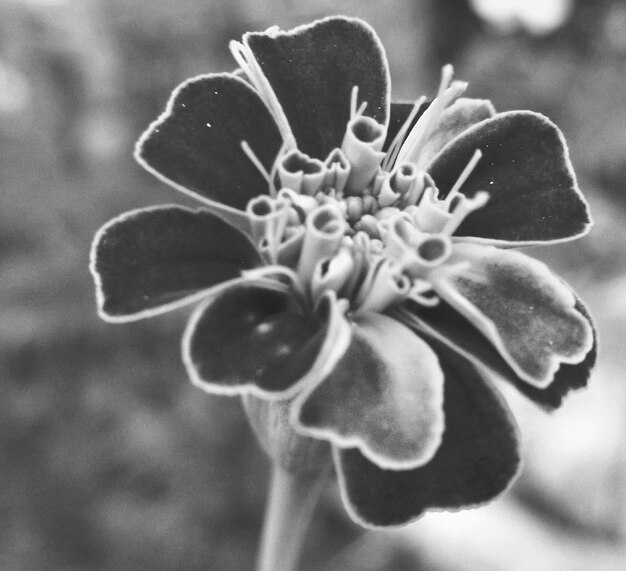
<point>354,264</point>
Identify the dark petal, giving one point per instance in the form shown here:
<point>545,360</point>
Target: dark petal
<point>384,396</point>
<point>252,338</point>
<point>524,310</point>
<point>526,170</point>
<point>155,259</point>
<point>398,115</point>
<point>196,144</point>
<point>312,70</point>
<point>444,324</point>
<point>477,460</point>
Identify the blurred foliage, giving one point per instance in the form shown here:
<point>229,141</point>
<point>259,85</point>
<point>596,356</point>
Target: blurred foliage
<point>109,458</point>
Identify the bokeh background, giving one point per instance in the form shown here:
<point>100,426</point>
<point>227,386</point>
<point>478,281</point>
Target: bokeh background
<point>109,459</point>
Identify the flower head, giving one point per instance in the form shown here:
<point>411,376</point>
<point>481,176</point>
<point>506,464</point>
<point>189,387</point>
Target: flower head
<point>354,263</point>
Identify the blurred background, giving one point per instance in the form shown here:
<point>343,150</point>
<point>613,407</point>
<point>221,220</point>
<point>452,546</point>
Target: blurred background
<point>109,459</point>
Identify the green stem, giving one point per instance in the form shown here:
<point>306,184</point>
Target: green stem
<point>290,505</point>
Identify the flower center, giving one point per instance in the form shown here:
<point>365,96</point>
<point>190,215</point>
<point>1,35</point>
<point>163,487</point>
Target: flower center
<point>367,224</point>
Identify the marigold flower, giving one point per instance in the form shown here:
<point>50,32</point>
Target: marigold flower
<point>354,266</point>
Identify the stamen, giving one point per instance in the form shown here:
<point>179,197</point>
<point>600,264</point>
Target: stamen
<point>337,170</point>
<point>291,246</point>
<point>248,63</point>
<point>434,250</point>
<point>301,201</point>
<point>394,148</point>
<point>447,93</point>
<point>325,228</point>
<point>423,294</point>
<point>428,215</point>
<point>255,161</point>
<point>403,178</point>
<point>354,112</point>
<point>386,196</point>
<point>268,220</point>
<point>414,252</point>
<point>464,206</point>
<point>386,286</point>
<point>301,173</point>
<point>467,171</point>
<point>362,146</point>
<point>332,274</point>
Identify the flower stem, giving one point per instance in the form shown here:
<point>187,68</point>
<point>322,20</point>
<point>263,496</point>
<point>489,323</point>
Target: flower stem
<point>290,505</point>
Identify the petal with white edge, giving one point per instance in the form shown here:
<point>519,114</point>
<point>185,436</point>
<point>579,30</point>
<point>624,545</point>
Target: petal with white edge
<point>312,70</point>
<point>152,260</point>
<point>476,462</point>
<point>384,396</point>
<point>447,326</point>
<point>526,312</point>
<point>526,170</point>
<point>195,145</point>
<point>254,338</point>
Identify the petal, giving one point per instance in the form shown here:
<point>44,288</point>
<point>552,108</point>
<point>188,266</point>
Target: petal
<point>569,376</point>
<point>152,260</point>
<point>384,396</point>
<point>312,70</point>
<point>459,117</point>
<point>196,144</point>
<point>443,324</point>
<point>525,311</point>
<point>477,460</point>
<point>526,169</point>
<point>255,339</point>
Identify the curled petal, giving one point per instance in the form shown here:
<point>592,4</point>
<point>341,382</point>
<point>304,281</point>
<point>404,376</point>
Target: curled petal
<point>476,461</point>
<point>526,312</point>
<point>384,396</point>
<point>152,260</point>
<point>254,339</point>
<point>196,144</point>
<point>312,70</point>
<point>525,168</point>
